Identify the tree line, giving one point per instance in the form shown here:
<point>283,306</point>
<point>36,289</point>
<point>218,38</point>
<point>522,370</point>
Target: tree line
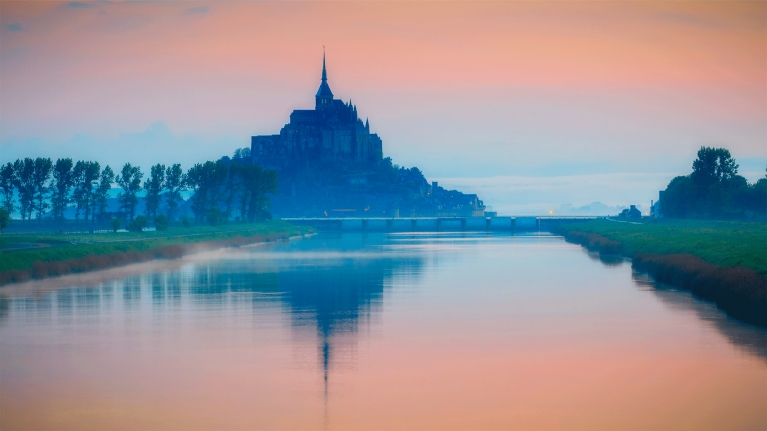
<point>39,188</point>
<point>714,190</point>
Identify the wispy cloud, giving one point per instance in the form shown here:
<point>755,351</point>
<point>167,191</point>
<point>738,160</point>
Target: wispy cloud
<point>79,4</point>
<point>15,27</point>
<point>687,19</point>
<point>197,10</point>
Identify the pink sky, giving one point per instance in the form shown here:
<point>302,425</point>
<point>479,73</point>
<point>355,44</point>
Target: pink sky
<point>462,90</point>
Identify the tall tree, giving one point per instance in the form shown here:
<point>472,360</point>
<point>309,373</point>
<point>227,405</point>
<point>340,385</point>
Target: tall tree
<point>714,190</point>
<point>62,182</point>
<point>197,181</point>
<point>713,165</point>
<point>5,219</point>
<point>154,186</point>
<point>78,176</point>
<point>129,180</point>
<point>255,183</point>
<point>218,176</point>
<point>25,184</point>
<point>85,174</point>
<point>174,185</point>
<point>91,182</point>
<point>231,187</point>
<point>8,182</point>
<point>206,180</point>
<point>243,194</point>
<point>102,192</point>
<point>43,168</point>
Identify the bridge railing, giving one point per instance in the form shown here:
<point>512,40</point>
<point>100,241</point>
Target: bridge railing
<point>508,223</point>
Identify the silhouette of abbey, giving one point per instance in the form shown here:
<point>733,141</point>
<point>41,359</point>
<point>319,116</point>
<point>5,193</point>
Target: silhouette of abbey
<point>330,165</point>
<point>330,131</point>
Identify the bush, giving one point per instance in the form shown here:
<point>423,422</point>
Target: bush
<point>214,216</point>
<point>161,222</point>
<point>138,224</point>
<point>116,224</point>
<point>5,218</point>
<point>185,222</point>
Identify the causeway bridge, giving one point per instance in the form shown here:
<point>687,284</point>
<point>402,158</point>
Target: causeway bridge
<point>411,224</point>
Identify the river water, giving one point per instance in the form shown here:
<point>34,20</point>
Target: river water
<point>400,331</point>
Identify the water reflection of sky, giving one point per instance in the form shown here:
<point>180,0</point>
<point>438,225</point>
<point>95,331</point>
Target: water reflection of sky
<point>496,307</point>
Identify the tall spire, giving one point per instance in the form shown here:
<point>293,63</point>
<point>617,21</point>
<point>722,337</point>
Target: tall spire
<point>324,73</point>
<point>324,97</point>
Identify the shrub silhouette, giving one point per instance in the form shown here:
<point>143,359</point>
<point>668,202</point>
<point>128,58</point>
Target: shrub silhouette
<point>161,222</point>
<point>138,224</point>
<point>116,223</point>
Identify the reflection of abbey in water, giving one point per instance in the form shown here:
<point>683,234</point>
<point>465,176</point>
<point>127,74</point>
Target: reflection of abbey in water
<point>330,297</point>
<point>330,164</point>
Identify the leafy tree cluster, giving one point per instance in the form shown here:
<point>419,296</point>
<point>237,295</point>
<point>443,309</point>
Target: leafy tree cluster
<point>223,191</point>
<point>242,153</point>
<point>714,190</point>
<point>413,179</point>
<point>164,184</point>
<point>34,186</point>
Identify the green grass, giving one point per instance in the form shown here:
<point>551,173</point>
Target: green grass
<point>722,243</point>
<point>65,247</point>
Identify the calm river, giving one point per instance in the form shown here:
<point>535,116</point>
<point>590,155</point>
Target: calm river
<point>400,331</point>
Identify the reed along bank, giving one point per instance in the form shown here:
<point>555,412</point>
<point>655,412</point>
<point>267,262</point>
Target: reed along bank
<point>25,257</point>
<point>721,261</point>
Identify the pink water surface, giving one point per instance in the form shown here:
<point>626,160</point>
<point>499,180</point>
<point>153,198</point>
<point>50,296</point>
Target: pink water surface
<point>442,331</point>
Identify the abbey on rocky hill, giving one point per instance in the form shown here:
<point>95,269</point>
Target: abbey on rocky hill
<point>330,131</point>
<point>329,164</point>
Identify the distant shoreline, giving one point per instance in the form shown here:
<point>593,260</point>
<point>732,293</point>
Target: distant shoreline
<point>104,252</point>
<point>710,260</point>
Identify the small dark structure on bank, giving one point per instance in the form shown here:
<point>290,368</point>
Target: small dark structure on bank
<point>631,212</point>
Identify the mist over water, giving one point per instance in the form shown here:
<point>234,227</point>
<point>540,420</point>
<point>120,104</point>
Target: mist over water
<point>376,331</point>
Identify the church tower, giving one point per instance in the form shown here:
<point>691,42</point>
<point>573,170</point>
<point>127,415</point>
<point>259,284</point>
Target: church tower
<point>324,97</point>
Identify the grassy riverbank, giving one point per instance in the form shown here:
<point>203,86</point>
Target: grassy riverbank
<point>725,262</point>
<point>39,256</point>
<point>722,243</point>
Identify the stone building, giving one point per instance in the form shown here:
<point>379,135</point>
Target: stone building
<point>329,164</point>
<point>331,131</point>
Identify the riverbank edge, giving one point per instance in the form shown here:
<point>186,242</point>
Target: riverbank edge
<point>739,291</point>
<point>96,262</point>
